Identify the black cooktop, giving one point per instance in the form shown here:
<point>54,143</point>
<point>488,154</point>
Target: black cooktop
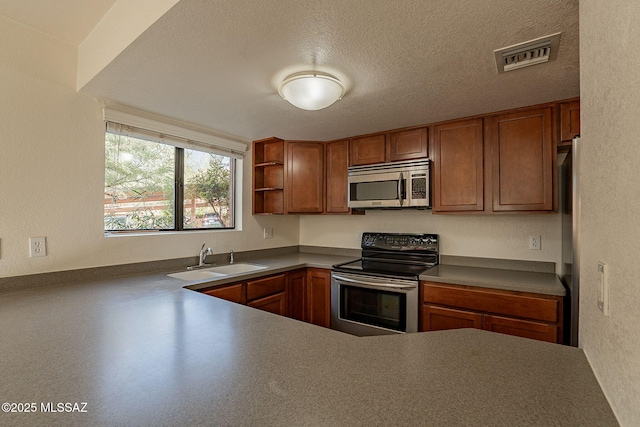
<point>394,255</point>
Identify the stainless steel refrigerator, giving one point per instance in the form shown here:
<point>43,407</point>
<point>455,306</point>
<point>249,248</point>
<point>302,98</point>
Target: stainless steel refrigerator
<point>570,275</point>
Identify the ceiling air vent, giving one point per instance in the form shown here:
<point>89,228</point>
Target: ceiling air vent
<point>538,51</point>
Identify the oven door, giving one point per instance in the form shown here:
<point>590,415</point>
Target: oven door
<point>369,305</point>
<point>377,190</point>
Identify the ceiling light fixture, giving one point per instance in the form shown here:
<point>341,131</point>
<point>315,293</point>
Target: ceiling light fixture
<point>311,90</point>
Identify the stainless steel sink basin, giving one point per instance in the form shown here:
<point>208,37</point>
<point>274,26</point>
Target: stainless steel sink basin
<point>217,272</point>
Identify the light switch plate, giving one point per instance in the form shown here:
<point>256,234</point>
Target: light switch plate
<point>37,247</point>
<point>603,288</point>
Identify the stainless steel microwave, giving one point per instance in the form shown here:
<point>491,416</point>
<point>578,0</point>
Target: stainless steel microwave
<point>390,185</point>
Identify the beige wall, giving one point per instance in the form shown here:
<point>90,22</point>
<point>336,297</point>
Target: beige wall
<point>488,236</point>
<point>52,172</point>
<point>610,188</point>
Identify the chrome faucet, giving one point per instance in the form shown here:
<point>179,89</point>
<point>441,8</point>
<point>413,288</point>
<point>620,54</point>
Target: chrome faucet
<point>203,255</point>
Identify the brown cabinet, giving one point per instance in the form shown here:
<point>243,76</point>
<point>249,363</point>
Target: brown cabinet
<point>276,304</point>
<point>408,145</point>
<point>233,293</point>
<point>318,298</point>
<point>458,166</point>
<point>523,161</point>
<point>268,176</point>
<point>268,294</point>
<point>296,293</point>
<point>336,164</point>
<point>569,122</point>
<point>367,150</point>
<point>305,177</point>
<point>309,297</point>
<point>521,314</point>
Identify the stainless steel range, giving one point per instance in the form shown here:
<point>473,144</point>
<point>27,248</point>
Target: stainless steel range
<point>378,294</point>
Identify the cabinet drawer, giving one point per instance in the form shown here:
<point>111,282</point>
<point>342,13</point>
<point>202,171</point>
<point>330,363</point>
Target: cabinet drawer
<point>273,304</point>
<point>263,287</point>
<point>234,293</point>
<point>529,306</point>
<point>436,318</point>
<point>522,328</point>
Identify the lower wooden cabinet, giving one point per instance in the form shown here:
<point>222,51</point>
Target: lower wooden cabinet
<point>296,293</point>
<point>535,316</point>
<point>233,293</point>
<point>303,294</point>
<point>318,298</point>
<point>310,296</point>
<point>276,304</point>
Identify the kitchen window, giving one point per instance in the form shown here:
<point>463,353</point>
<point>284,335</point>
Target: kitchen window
<point>157,181</point>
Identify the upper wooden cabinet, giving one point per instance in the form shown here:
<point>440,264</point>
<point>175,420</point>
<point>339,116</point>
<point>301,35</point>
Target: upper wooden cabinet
<point>523,161</point>
<point>458,167</point>
<point>569,121</point>
<point>395,146</point>
<point>367,150</point>
<point>408,145</point>
<point>304,177</point>
<point>268,176</point>
<point>336,164</point>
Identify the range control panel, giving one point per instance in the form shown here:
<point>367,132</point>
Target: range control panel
<point>400,241</point>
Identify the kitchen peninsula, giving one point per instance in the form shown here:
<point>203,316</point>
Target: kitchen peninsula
<point>144,350</point>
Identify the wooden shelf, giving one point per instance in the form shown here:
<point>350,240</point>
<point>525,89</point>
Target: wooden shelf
<point>268,176</point>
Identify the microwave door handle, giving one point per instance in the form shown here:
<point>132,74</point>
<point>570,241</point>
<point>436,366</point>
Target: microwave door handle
<point>400,189</point>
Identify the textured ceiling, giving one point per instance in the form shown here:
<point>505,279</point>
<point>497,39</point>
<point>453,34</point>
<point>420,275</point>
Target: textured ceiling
<point>68,20</point>
<point>218,63</point>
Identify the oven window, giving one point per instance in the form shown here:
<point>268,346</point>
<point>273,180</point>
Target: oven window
<point>374,307</point>
<point>379,190</point>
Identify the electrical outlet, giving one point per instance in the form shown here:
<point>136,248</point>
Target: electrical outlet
<point>268,232</point>
<point>534,243</point>
<point>37,247</point>
<point>603,288</point>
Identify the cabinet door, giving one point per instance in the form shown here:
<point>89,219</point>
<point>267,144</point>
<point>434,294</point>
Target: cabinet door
<point>367,150</point>
<point>436,318</point>
<point>522,155</point>
<point>296,294</point>
<point>276,304</point>
<point>458,167</point>
<point>336,164</point>
<point>233,293</point>
<point>305,177</point>
<point>569,120</point>
<point>408,145</point>
<point>266,286</point>
<point>318,308</point>
<point>522,328</point>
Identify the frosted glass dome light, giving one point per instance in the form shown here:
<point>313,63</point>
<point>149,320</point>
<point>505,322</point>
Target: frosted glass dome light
<point>311,90</point>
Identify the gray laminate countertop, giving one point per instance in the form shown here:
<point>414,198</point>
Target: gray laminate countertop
<point>512,280</point>
<point>143,350</point>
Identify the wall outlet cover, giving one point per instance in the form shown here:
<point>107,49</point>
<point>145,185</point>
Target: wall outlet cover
<point>535,243</point>
<point>268,232</point>
<point>37,247</point>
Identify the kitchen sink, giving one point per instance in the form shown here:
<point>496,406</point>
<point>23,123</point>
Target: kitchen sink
<point>217,272</point>
<point>237,268</point>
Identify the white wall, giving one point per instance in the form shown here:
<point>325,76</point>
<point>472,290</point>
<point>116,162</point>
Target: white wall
<point>52,172</point>
<point>610,188</point>
<point>487,236</point>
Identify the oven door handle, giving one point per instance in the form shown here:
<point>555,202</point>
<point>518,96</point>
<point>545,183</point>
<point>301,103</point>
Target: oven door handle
<point>379,285</point>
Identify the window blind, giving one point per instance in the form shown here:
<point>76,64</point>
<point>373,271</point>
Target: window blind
<point>127,124</point>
